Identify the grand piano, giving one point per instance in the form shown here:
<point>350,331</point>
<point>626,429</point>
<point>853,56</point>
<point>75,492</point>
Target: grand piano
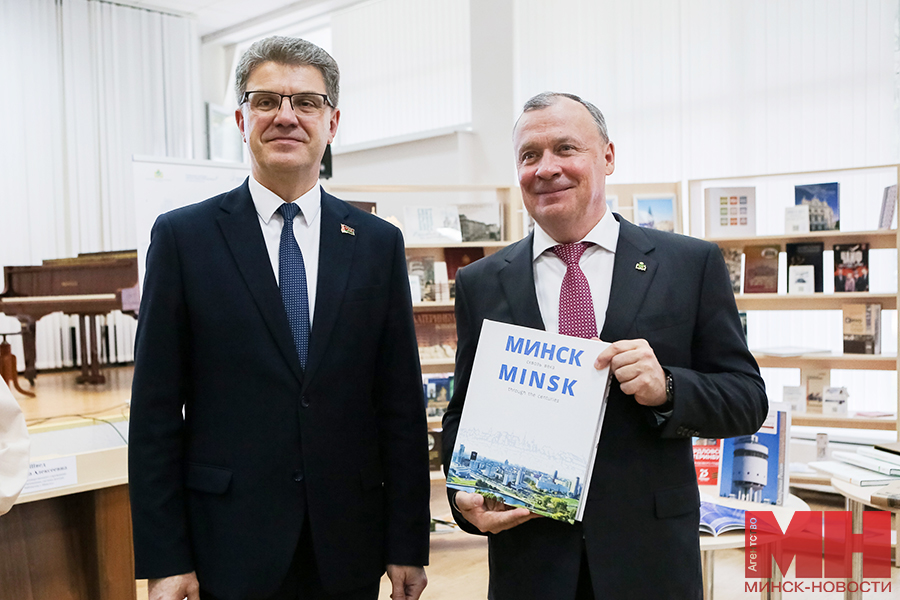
<point>88,285</point>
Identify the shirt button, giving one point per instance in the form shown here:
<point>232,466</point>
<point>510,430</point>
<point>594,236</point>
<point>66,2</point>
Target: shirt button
<point>298,475</point>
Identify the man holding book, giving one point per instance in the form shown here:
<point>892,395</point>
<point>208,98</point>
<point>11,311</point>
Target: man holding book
<point>680,365</point>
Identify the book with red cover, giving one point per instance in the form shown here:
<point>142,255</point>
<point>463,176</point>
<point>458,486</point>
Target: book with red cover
<point>707,452</point>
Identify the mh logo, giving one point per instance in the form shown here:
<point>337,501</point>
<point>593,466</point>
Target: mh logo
<point>817,539</point>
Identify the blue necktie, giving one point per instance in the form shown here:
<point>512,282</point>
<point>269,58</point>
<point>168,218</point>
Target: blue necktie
<point>292,281</point>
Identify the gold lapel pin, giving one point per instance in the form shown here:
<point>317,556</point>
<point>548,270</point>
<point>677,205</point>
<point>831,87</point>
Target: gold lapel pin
<point>347,229</point>
<point>640,266</point>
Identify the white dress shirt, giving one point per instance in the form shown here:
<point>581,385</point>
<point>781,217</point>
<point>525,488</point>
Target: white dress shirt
<point>14,446</point>
<point>596,263</point>
<point>307,229</point>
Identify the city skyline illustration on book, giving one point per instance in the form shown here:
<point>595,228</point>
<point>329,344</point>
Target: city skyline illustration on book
<point>531,421</point>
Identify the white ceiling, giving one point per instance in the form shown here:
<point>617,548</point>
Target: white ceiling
<point>230,21</point>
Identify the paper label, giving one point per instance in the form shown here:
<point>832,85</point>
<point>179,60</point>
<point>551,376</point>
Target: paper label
<point>51,474</point>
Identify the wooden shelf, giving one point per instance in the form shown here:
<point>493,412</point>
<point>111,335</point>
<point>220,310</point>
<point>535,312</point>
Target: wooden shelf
<point>861,362</point>
<point>433,306</point>
<point>438,365</point>
<point>813,301</point>
<point>486,244</point>
<point>881,238</point>
<point>843,422</point>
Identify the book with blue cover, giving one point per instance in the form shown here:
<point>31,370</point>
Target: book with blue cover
<point>530,426</point>
<point>753,466</point>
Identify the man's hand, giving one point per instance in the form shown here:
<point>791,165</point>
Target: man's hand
<point>177,587</point>
<point>407,582</point>
<point>490,516</point>
<point>634,364</point>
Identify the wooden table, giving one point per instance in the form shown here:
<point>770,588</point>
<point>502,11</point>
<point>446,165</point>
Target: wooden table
<point>735,539</point>
<point>73,542</point>
<point>857,499</point>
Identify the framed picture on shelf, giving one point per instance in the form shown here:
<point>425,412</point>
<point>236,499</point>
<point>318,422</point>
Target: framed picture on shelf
<point>730,212</point>
<point>657,211</point>
<point>481,222</point>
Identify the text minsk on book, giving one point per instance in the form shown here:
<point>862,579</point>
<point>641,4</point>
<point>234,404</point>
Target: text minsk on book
<point>532,418</point>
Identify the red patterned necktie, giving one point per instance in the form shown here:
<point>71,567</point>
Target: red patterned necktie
<point>576,307</point>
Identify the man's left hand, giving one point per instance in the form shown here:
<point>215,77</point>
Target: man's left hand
<point>635,366</point>
<point>407,582</point>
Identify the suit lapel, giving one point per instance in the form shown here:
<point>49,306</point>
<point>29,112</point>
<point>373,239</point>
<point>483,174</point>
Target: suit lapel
<point>517,281</point>
<point>240,227</point>
<point>630,281</point>
<point>335,259</point>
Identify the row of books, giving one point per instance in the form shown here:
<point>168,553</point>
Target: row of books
<point>731,211</point>
<point>805,268</point>
<point>867,467</point>
<point>432,276</point>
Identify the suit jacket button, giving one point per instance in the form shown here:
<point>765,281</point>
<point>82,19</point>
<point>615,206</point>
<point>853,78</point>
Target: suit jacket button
<point>298,475</point>
<point>304,402</point>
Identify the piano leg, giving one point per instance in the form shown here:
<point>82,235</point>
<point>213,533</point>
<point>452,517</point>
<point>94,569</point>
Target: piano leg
<point>90,362</point>
<point>8,370</point>
<point>29,328</point>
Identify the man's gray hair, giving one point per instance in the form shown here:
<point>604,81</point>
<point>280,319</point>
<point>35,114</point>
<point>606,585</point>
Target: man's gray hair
<point>288,51</point>
<point>548,99</point>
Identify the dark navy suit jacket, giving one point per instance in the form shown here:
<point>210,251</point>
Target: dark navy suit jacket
<point>262,445</point>
<point>640,527</point>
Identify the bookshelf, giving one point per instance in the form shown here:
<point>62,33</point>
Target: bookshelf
<point>859,182</point>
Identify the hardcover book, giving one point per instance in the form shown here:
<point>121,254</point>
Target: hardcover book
<point>460,257</point>
<point>431,224</point>
<point>754,466</point>
<point>707,454</point>
<point>823,200</point>
<point>888,205</point>
<point>761,269</point>
<point>436,334</point>
<point>421,269</point>
<point>866,462</point>
<point>851,267</point>
<point>733,257</point>
<point>807,254</point>
<point>862,328</point>
<point>731,212</point>
<point>815,380</point>
<point>481,222</point>
<point>532,419</point>
<point>852,474</point>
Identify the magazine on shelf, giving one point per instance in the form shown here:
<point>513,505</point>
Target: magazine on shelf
<point>862,328</point>
<point>716,519</point>
<point>532,419</point>
<point>754,466</point>
<point>431,224</point>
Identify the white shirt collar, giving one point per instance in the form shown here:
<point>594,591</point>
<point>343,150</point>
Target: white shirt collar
<point>268,202</point>
<point>604,234</point>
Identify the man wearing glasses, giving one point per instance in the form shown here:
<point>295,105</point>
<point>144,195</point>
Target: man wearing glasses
<point>278,443</point>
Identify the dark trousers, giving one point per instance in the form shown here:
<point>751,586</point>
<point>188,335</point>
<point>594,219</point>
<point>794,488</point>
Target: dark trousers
<point>585,590</point>
<point>302,581</point>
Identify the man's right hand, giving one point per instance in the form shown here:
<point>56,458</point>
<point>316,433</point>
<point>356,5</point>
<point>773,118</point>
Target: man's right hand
<point>176,587</point>
<point>490,516</point>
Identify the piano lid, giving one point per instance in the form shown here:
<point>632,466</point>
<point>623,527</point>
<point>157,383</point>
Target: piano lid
<point>90,273</point>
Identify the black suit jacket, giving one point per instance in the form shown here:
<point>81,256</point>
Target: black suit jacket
<point>263,445</point>
<point>640,527</point>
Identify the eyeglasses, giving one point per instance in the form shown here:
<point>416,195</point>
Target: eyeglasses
<point>265,103</point>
